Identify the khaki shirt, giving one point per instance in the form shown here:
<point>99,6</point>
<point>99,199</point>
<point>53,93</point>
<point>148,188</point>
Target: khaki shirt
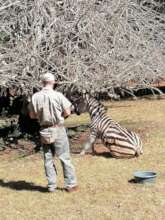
<point>49,106</point>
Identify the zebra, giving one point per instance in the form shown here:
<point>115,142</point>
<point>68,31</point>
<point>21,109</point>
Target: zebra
<point>121,142</point>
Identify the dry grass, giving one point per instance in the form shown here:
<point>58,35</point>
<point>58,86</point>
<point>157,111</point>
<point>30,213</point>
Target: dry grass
<point>105,192</point>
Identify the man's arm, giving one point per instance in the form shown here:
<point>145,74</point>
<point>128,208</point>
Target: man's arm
<point>31,112</point>
<point>66,105</point>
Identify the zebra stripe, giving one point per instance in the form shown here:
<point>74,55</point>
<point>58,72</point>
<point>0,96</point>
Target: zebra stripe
<point>121,142</point>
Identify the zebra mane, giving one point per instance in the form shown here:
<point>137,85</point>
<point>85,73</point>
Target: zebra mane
<point>89,98</point>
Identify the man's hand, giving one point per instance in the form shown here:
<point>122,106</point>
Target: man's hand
<point>33,115</point>
<point>66,112</point>
<point>72,108</point>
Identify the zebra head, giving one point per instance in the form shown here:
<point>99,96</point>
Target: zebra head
<point>86,103</point>
<point>80,105</point>
<point>82,102</point>
<point>78,99</point>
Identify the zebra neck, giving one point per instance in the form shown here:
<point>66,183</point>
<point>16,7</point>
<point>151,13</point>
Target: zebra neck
<point>95,108</point>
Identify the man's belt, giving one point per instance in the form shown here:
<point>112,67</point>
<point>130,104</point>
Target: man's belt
<point>52,126</point>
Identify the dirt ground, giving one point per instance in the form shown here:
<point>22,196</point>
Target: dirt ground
<point>26,148</point>
<point>106,191</point>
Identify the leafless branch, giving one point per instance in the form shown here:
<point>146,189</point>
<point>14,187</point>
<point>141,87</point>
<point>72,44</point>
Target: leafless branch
<point>94,44</point>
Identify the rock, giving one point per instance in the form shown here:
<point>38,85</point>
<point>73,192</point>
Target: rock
<point>13,146</point>
<point>71,133</point>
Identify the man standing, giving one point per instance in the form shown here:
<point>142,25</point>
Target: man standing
<point>51,107</point>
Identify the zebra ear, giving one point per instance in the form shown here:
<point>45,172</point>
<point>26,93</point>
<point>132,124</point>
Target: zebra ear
<point>84,91</point>
<point>87,96</point>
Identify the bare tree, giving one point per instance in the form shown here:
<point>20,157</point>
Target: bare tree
<point>94,44</point>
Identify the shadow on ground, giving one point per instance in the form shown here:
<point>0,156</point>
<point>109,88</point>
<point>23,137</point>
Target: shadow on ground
<point>133,181</point>
<point>103,154</point>
<point>23,185</point>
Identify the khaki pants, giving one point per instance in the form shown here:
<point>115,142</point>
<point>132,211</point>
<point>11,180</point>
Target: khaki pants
<point>61,149</point>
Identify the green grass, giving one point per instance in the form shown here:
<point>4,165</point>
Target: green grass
<point>105,192</point>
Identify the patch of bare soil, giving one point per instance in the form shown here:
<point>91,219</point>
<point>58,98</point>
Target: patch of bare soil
<point>78,141</point>
<point>20,149</point>
<point>24,148</point>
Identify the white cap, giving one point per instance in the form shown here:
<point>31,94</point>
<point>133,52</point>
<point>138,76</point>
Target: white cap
<point>47,77</point>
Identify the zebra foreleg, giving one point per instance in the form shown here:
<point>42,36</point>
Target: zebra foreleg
<point>88,145</point>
